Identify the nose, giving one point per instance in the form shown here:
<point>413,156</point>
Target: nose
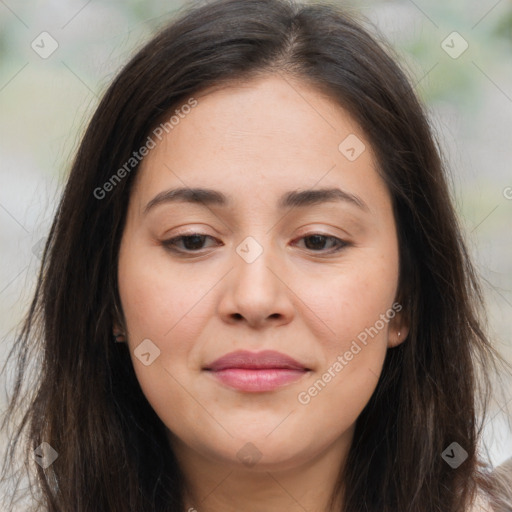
<point>257,292</point>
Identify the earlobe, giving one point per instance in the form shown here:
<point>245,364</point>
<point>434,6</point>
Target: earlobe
<point>398,330</point>
<point>397,336</point>
<point>119,337</point>
<point>118,332</point>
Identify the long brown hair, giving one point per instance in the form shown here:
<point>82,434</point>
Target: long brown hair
<point>82,396</point>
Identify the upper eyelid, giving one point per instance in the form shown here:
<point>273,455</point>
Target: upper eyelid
<point>197,233</point>
<point>340,242</point>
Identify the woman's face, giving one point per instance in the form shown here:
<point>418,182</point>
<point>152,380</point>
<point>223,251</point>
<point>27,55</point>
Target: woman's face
<point>314,279</point>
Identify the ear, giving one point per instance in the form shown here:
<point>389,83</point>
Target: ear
<point>398,329</point>
<point>118,326</point>
<point>118,332</point>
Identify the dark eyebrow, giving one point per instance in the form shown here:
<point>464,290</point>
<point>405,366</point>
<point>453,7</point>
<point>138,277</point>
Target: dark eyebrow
<point>302,198</point>
<point>292,199</point>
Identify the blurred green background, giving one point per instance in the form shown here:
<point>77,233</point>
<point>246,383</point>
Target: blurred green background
<point>46,101</point>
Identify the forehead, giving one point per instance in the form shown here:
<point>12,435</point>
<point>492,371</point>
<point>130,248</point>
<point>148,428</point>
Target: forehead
<point>269,135</point>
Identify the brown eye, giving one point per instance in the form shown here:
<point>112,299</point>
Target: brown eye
<point>316,242</point>
<point>191,243</point>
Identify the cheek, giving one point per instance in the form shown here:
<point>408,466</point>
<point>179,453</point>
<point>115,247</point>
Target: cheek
<point>352,298</point>
<point>168,304</point>
<point>357,306</point>
<point>157,299</point>
<point>352,357</point>
<point>162,305</point>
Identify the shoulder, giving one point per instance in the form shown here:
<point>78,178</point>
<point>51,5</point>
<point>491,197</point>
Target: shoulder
<point>501,478</point>
<point>480,505</point>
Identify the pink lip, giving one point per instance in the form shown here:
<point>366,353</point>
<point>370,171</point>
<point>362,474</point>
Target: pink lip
<point>256,372</point>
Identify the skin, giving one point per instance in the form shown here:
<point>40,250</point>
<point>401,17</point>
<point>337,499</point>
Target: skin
<point>255,141</point>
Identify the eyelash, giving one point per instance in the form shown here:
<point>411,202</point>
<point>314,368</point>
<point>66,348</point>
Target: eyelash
<point>171,243</point>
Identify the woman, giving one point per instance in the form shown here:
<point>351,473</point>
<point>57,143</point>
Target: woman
<point>264,371</point>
